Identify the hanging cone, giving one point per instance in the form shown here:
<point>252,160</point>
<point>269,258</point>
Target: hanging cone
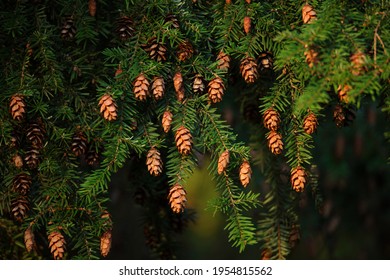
<point>19,208</point>
<point>271,119</point>
<point>118,71</point>
<point>68,30</point>
<point>156,50</point>
<point>17,107</point>
<point>141,87</point>
<point>57,245</point>
<point>105,243</point>
<point>310,123</point>
<point>167,120</point>
<point>216,90</point>
<point>29,239</point>
<point>247,24</point>
<point>154,162</point>
<point>179,87</point>
<point>177,198</point>
<point>32,158</point>
<point>265,61</point>
<point>311,57</point>
<point>21,183</point>
<point>79,143</point>
<point>223,61</point>
<point>248,69</point>
<point>343,116</point>
<point>171,18</point>
<point>223,161</point>
<point>298,179</point>
<point>17,161</point>
<point>36,134</point>
<point>275,143</point>
<point>358,61</point>
<point>92,157</point>
<point>92,7</point>
<point>342,92</point>
<point>125,28</point>
<point>198,84</point>
<point>158,87</point>
<point>245,173</point>
<point>308,14</point>
<point>183,140</point>
<point>108,107</point>
<point>185,51</point>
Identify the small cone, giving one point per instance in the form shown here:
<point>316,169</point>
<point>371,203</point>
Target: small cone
<point>342,92</point>
<point>154,162</point>
<point>248,1</point>
<point>17,161</point>
<point>118,71</point>
<point>19,208</point>
<point>92,157</point>
<point>79,143</point>
<point>266,254</point>
<point>21,183</point>
<point>177,198</point>
<point>358,61</point>
<point>311,57</point>
<point>247,24</point>
<point>179,87</point>
<point>343,116</point>
<point>32,158</point>
<point>158,87</point>
<point>298,179</point>
<point>17,107</point>
<point>92,7</point>
<point>245,173</point>
<point>228,2</point>
<point>125,28</point>
<point>36,134</point>
<point>275,143</point>
<point>108,107</point>
<point>271,119</point>
<point>57,245</point>
<point>223,61</point>
<point>198,85</point>
<point>171,18</point>
<point>216,90</point>
<point>265,61</point>
<point>156,50</point>
<point>223,161</point>
<point>308,14</point>
<point>166,121</point>
<point>185,51</point>
<point>248,69</point>
<point>68,30</point>
<point>141,87</point>
<point>310,123</point>
<point>29,239</point>
<point>105,243</point>
<point>183,140</point>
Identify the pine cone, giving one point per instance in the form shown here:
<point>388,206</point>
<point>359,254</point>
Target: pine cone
<point>173,20</point>
<point>310,123</point>
<point>271,119</point>
<point>105,243</point>
<point>118,71</point>
<point>141,87</point>
<point>32,158</point>
<point>125,28</point>
<point>177,198</point>
<point>245,173</point>
<point>198,84</point>
<point>68,30</point>
<point>36,134</point>
<point>223,161</point>
<point>156,50</point>
<point>179,87</point>
<point>17,107</point>
<point>167,120</point>
<point>57,245</point>
<point>92,7</point>
<point>154,162</point>
<point>298,179</point>
<point>342,92</point>
<point>216,90</point>
<point>247,24</point>
<point>19,208</point>
<point>343,116</point>
<point>248,69</point>
<point>79,143</point>
<point>21,183</point>
<point>158,87</point>
<point>311,57</point>
<point>228,2</point>
<point>183,140</point>
<point>108,107</point>
<point>185,51</point>
<point>358,61</point>
<point>266,254</point>
<point>17,161</point>
<point>275,142</point>
<point>265,61</point>
<point>92,157</point>
<point>29,239</point>
<point>308,14</point>
<point>223,61</point>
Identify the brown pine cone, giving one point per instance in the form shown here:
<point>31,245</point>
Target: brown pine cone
<point>21,183</point>
<point>108,107</point>
<point>271,119</point>
<point>342,92</point>
<point>141,87</point>
<point>308,14</point>
<point>154,162</point>
<point>198,84</point>
<point>223,61</point>
<point>125,29</point>
<point>17,107</point>
<point>105,243</point>
<point>223,161</point>
<point>216,90</point>
<point>17,161</point>
<point>310,123</point>
<point>245,173</point>
<point>298,179</point>
<point>36,134</point>
<point>247,24</point>
<point>275,142</point>
<point>156,50</point>
<point>179,87</point>
<point>79,143</point>
<point>29,239</point>
<point>177,198</point>
<point>158,87</point>
<point>248,69</point>
<point>57,245</point>
<point>185,51</point>
<point>19,208</point>
<point>167,120</point>
<point>358,61</point>
<point>183,140</point>
<point>265,61</point>
<point>92,7</point>
<point>311,57</point>
<point>32,158</point>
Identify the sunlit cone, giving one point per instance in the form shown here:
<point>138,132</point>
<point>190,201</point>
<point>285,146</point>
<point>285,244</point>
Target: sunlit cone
<point>358,61</point>
<point>108,107</point>
<point>247,24</point>
<point>105,243</point>
<point>17,161</point>
<point>17,107</point>
<point>92,7</point>
<point>167,120</point>
<point>179,87</point>
<point>141,87</point>
<point>79,143</point>
<point>154,162</point>
<point>223,61</point>
<point>342,92</point>
<point>275,143</point>
<point>248,1</point>
<point>311,57</point>
<point>245,173</point>
<point>156,50</point>
<point>228,2</point>
<point>68,30</point>
<point>19,208</point>
<point>36,134</point>
<point>310,123</point>
<point>57,245</point>
<point>21,183</point>
<point>183,140</point>
<point>223,161</point>
<point>271,119</point>
<point>298,179</point>
<point>308,14</point>
<point>29,239</point>
<point>125,29</point>
<point>216,90</point>
<point>177,198</point>
<point>185,51</point>
<point>198,84</point>
<point>158,87</point>
<point>32,158</point>
<point>248,69</point>
<point>265,61</point>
